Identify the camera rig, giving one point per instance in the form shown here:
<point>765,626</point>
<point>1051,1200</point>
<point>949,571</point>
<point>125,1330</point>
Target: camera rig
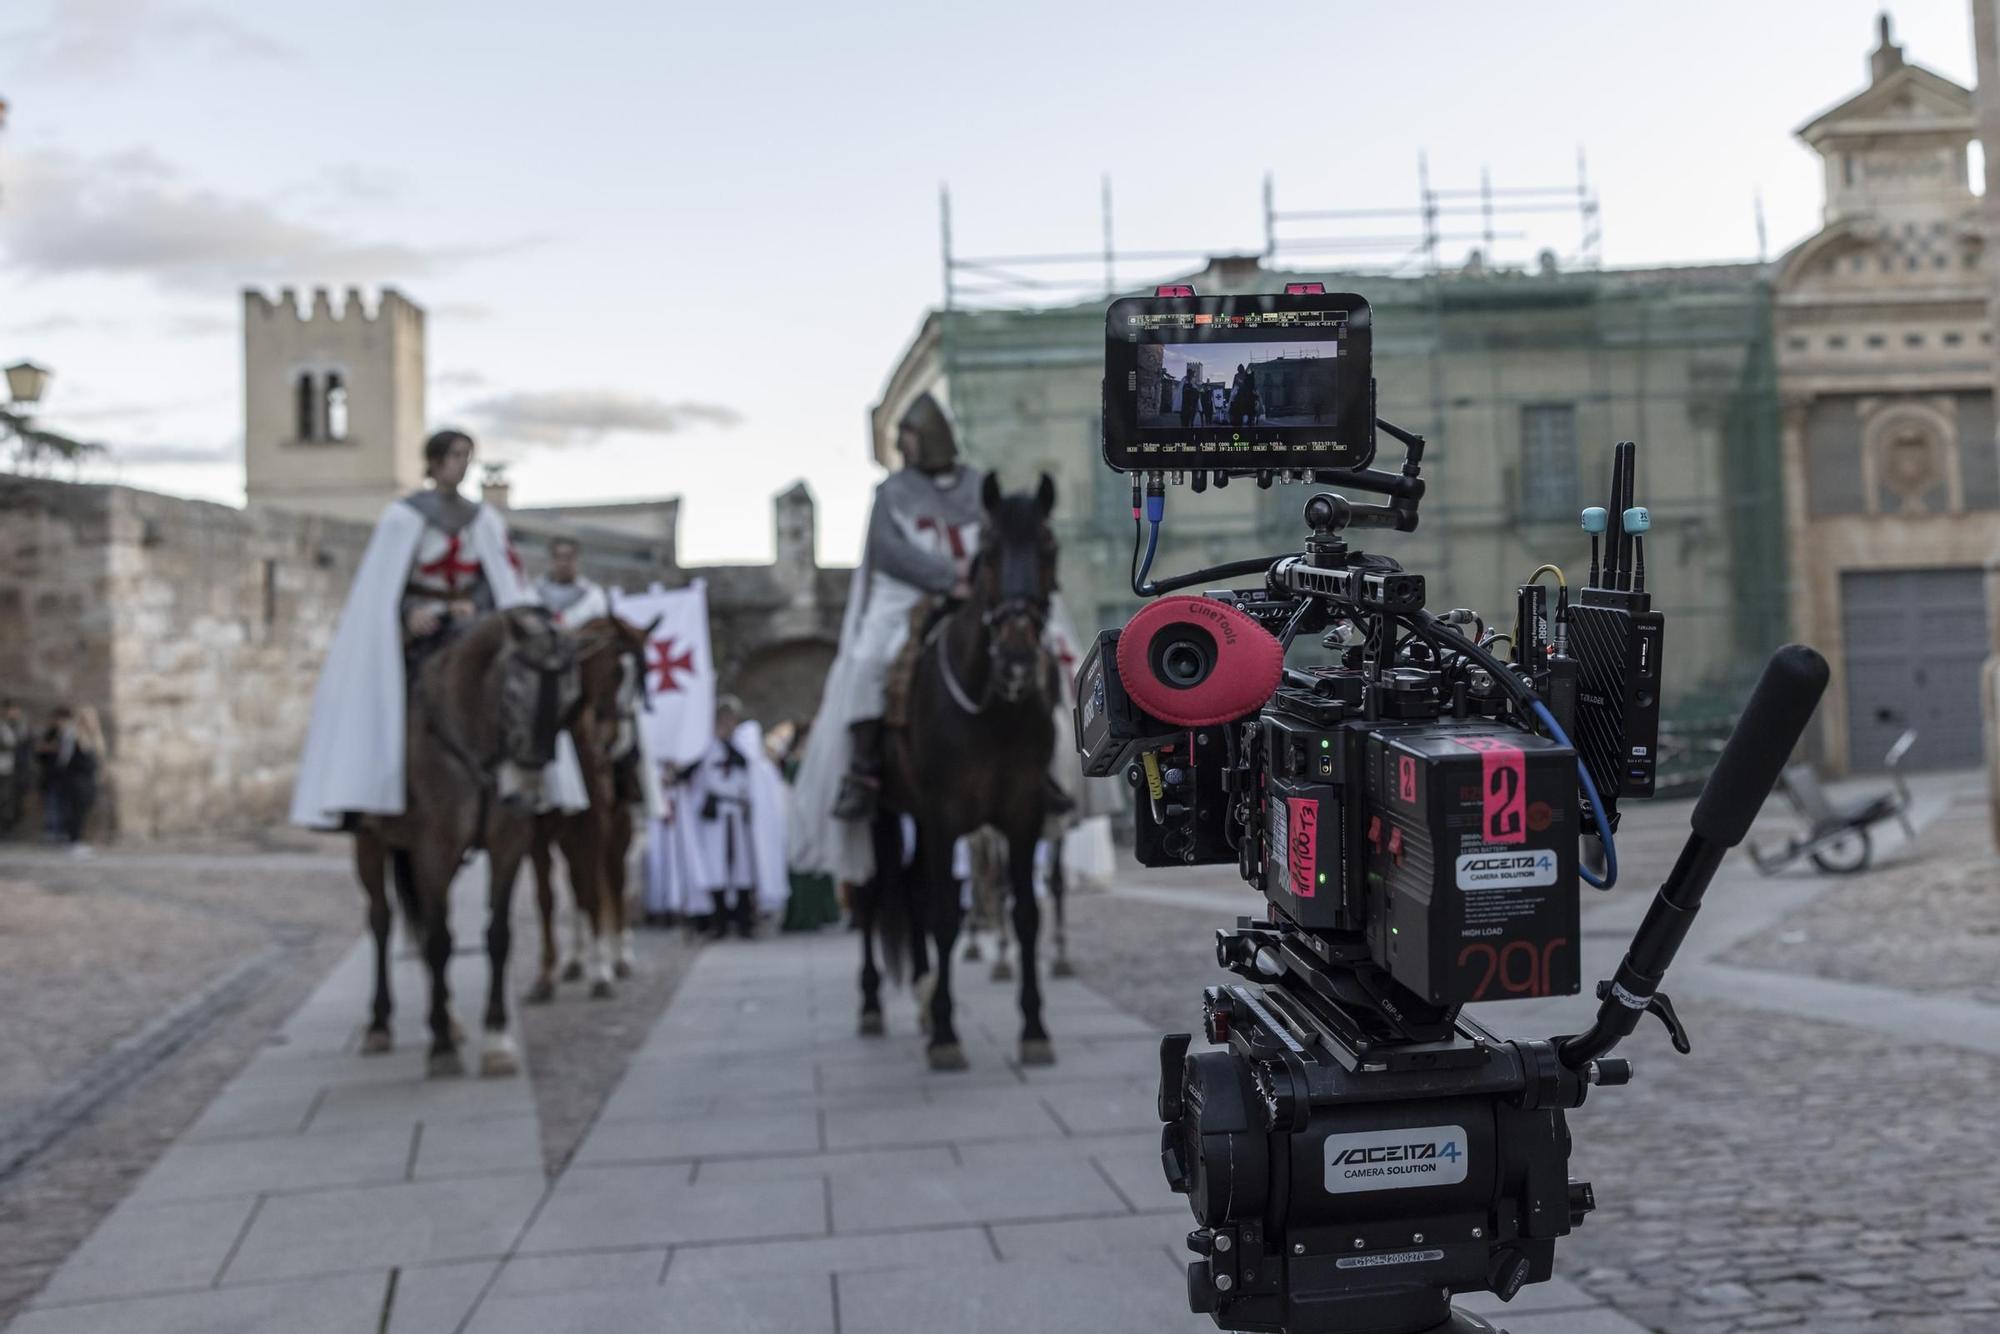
<point>1355,1147</point>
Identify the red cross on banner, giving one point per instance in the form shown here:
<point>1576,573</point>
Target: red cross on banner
<point>664,662</point>
<point>448,569</point>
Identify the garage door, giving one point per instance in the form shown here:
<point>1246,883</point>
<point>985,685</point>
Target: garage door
<point>1915,642</point>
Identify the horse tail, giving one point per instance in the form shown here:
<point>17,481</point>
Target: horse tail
<point>891,896</point>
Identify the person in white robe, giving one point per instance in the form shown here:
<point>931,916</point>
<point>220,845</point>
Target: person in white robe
<point>732,802</point>
<point>575,600</point>
<point>437,560</point>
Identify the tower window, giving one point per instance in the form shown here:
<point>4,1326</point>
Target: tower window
<point>308,413</point>
<point>336,407</point>
<point>1548,460</point>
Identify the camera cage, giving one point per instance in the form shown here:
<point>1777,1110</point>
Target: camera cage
<point>1359,1151</point>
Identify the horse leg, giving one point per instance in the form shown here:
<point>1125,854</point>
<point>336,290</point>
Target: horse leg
<point>433,875</point>
<point>575,917</point>
<point>863,899</point>
<point>997,893</point>
<point>617,852</point>
<point>1035,1049</point>
<point>581,852</point>
<point>1058,886</point>
<point>497,1054</point>
<point>371,862</point>
<point>938,891</point>
<point>539,855</point>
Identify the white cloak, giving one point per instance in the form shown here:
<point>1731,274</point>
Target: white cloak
<point>353,759</point>
<point>743,847</point>
<point>592,605</point>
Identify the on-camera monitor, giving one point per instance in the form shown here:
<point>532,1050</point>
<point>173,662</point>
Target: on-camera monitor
<point>1240,383</point>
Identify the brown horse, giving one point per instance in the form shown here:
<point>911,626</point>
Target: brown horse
<point>484,715</point>
<point>975,752</point>
<point>612,676</point>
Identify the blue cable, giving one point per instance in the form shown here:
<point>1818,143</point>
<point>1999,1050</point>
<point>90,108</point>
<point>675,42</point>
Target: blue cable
<point>1156,511</point>
<point>1596,806</point>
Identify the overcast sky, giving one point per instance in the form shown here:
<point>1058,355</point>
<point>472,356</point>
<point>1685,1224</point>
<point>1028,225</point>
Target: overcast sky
<point>627,218</point>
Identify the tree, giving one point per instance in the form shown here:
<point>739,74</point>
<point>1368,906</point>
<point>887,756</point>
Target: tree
<point>35,448</point>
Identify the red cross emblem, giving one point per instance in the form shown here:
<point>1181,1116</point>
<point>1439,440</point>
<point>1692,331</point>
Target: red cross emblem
<point>664,662</point>
<point>448,569</point>
<point>953,534</point>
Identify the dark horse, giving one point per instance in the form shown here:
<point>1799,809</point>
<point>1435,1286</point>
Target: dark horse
<point>611,674</point>
<point>484,712</point>
<point>974,751</point>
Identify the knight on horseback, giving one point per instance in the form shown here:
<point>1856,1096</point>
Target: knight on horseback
<point>437,562</point>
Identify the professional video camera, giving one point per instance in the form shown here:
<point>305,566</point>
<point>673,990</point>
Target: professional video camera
<point>1413,808</point>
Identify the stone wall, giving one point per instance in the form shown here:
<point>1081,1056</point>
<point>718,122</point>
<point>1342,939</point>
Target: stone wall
<point>197,631</point>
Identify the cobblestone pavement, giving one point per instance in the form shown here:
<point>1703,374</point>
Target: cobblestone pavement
<point>94,953</point>
<point>1927,923</point>
<point>1791,1173</point>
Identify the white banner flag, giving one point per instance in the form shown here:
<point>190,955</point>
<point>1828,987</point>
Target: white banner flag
<point>680,671</point>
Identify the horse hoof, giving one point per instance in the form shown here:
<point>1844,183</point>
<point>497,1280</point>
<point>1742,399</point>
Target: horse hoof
<point>376,1041</point>
<point>1003,971</point>
<point>946,1056</point>
<point>1037,1051</point>
<point>541,993</point>
<point>499,1059</point>
<point>600,989</point>
<point>573,971</point>
<point>871,1024</point>
<point>622,969</point>
<point>1061,968</point>
<point>446,1064</point>
<point>973,954</point>
<point>457,1033</point>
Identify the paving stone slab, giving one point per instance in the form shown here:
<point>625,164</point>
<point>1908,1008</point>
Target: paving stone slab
<point>592,1208</point>
<point>990,1192</point>
<point>414,1223</point>
<point>1083,1239</point>
<point>828,1255</point>
<point>966,1115</point>
<point>593,1271</point>
<point>793,1304</point>
<point>370,1155</point>
<point>349,1304</point>
<point>716,1171</point>
<point>728,1131</point>
<point>1135,1294</point>
<point>478,1147</point>
<point>152,1248</point>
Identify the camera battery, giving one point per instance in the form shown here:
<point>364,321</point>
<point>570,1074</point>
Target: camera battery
<point>1309,809</point>
<point>1470,848</point>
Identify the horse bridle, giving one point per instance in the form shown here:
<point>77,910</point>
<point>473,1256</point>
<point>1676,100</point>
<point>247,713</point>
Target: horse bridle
<point>1008,610</point>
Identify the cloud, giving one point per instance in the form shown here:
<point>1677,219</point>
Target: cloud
<point>462,310</point>
<point>101,37</point>
<point>579,416</point>
<point>132,214</point>
<point>200,326</point>
<point>458,380</point>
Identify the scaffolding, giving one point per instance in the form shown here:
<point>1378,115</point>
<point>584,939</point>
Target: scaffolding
<point>1015,281</point>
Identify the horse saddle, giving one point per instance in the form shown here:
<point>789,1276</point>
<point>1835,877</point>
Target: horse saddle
<point>925,618</point>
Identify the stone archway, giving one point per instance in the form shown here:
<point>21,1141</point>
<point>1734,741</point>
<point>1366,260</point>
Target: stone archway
<point>782,681</point>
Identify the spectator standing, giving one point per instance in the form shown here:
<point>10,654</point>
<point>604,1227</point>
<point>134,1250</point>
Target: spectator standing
<point>52,750</point>
<point>79,779</point>
<point>17,761</point>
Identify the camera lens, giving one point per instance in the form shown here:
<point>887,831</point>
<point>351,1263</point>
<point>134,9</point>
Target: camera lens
<point>1183,664</point>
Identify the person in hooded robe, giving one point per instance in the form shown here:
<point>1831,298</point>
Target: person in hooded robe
<point>575,600</point>
<point>734,801</point>
<point>437,561</point>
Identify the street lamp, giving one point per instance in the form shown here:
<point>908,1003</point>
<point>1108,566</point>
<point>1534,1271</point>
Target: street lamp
<point>25,383</point>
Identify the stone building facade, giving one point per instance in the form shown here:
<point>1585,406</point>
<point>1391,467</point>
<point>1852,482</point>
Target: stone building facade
<point>1885,357</point>
<point>197,631</point>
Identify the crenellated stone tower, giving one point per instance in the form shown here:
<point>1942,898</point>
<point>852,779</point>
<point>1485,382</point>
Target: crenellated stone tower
<point>333,401</point>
